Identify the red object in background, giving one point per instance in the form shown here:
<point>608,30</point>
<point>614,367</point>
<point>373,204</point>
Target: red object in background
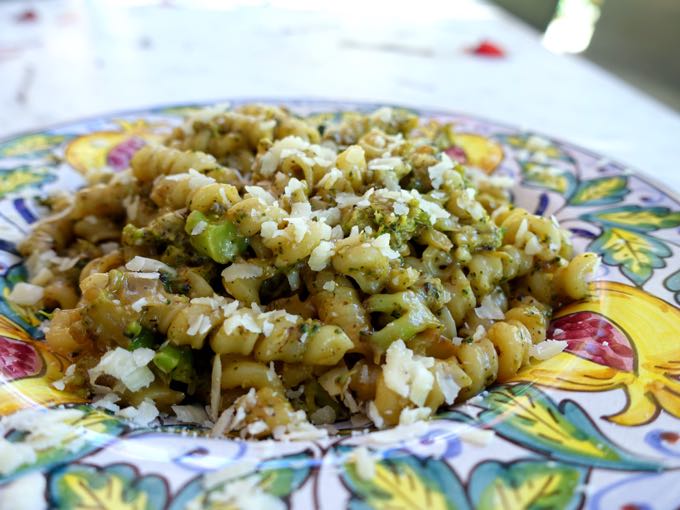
<point>487,48</point>
<point>27,16</point>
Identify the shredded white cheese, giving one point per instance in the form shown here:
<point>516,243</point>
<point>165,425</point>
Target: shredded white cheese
<point>144,264</point>
<point>190,413</point>
<point>238,271</point>
<point>321,255</point>
<point>547,349</point>
<point>364,463</point>
<point>128,367</point>
<point>438,171</point>
<point>489,309</point>
<point>141,415</point>
<point>410,416</point>
<point>26,294</point>
<point>199,228</point>
<point>408,374</point>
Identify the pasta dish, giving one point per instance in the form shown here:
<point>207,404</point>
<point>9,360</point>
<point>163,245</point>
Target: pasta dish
<point>268,273</point>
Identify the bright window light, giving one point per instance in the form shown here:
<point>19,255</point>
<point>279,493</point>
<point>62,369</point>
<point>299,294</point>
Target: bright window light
<point>571,30</point>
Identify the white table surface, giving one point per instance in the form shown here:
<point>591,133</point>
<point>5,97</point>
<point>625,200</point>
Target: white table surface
<point>84,58</point>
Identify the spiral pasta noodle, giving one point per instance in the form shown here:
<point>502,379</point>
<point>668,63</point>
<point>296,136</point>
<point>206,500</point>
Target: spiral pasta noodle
<point>288,270</point>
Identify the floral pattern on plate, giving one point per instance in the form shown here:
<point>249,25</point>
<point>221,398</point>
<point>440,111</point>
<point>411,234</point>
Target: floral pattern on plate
<point>595,427</point>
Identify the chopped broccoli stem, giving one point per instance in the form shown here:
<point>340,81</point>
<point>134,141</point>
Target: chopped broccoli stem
<point>139,336</point>
<point>178,362</point>
<point>218,240</point>
<point>184,371</point>
<point>167,358</point>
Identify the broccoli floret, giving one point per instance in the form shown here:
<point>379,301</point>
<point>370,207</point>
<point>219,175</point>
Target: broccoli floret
<point>162,231</point>
<point>380,217</point>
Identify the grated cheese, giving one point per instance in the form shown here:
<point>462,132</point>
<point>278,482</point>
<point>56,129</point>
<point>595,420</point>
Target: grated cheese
<point>401,209</point>
<point>293,186</point>
<point>280,149</point>
<point>261,194</point>
<point>194,179</point>
<point>410,416</point>
<point>215,389</point>
<point>144,264</point>
<point>108,402</point>
<point>26,294</point>
<point>321,255</point>
<point>547,349</point>
<point>142,415</point>
<point>199,326</point>
<point>238,271</point>
<point>374,415</point>
<point>329,180</point>
<point>438,171</point>
<point>128,367</point>
<point>489,309</point>
<point>190,413</point>
<point>199,228</point>
<point>408,374</point>
<point>139,304</point>
<point>364,463</point>
<point>146,276</point>
<point>382,243</point>
<point>447,384</point>
<point>533,246</point>
<point>383,164</point>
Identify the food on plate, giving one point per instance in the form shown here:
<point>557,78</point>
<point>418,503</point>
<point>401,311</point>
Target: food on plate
<point>272,272</point>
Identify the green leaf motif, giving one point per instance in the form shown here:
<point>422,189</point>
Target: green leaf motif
<point>600,191</point>
<point>114,487</point>
<point>526,485</point>
<point>564,432</point>
<point>635,217</point>
<point>406,483</point>
<point>31,145</point>
<point>23,177</point>
<point>672,283</point>
<point>99,429</point>
<point>531,147</point>
<point>548,177</point>
<point>273,480</point>
<point>636,253</point>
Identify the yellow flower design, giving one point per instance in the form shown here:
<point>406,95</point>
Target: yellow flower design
<point>27,370</point>
<point>480,151</point>
<point>112,149</point>
<point>619,337</point>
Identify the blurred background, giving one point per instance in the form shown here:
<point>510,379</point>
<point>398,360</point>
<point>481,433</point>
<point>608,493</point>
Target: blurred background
<point>634,39</point>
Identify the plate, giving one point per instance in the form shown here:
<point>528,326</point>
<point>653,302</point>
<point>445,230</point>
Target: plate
<point>595,427</point>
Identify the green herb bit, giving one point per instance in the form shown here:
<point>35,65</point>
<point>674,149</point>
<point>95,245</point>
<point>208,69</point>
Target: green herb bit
<point>218,240</point>
<point>167,358</point>
<point>139,336</point>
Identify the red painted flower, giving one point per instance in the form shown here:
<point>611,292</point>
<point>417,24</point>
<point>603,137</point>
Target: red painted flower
<point>18,359</point>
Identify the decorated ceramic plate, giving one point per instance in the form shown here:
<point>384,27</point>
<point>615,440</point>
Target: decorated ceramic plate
<point>594,427</point>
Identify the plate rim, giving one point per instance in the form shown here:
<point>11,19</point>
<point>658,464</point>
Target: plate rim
<point>428,110</point>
